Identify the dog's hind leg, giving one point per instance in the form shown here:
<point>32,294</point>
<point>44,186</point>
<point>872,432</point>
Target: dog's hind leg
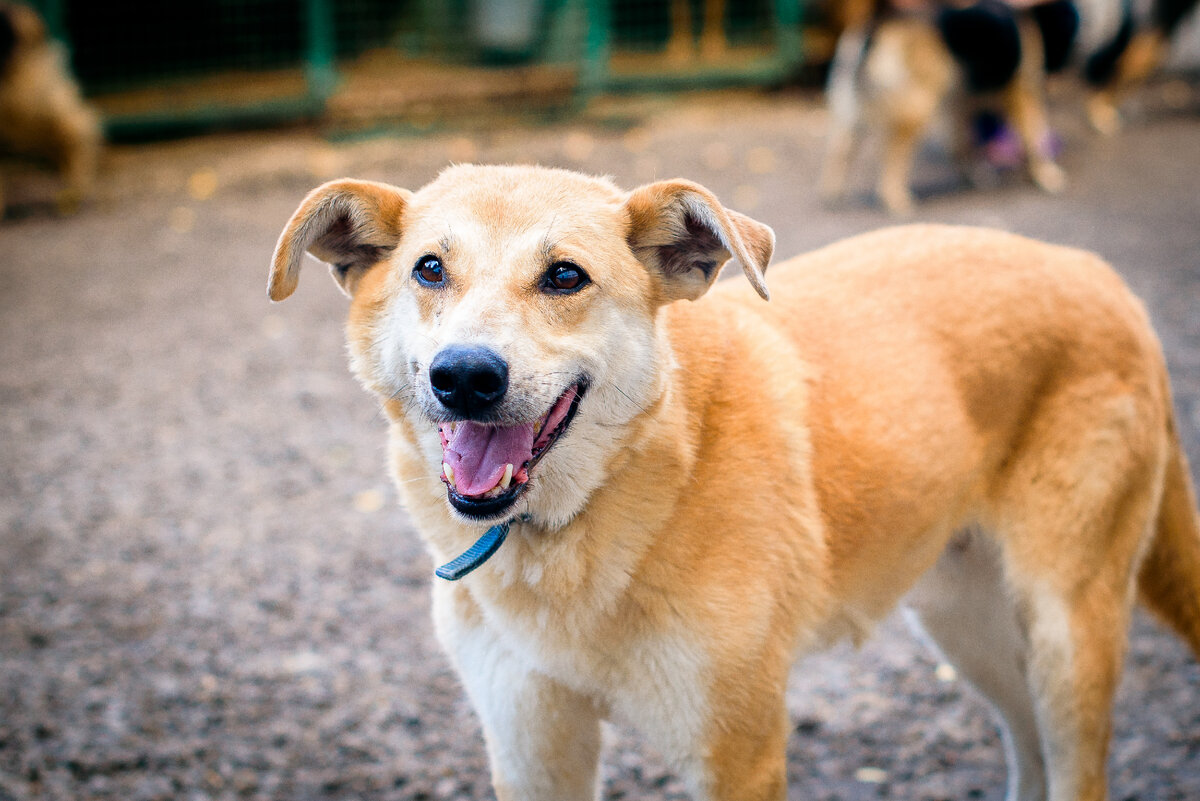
<point>965,607</point>
<point>1074,512</point>
<point>910,61</point>
<point>903,134</point>
<point>78,156</point>
<point>1076,639</point>
<point>838,154</point>
<point>1025,109</point>
<point>845,111</point>
<point>1025,104</point>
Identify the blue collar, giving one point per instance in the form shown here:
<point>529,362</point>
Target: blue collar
<point>480,552</point>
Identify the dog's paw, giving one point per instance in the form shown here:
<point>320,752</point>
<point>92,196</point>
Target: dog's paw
<point>1103,116</point>
<point>1049,177</point>
<point>898,202</point>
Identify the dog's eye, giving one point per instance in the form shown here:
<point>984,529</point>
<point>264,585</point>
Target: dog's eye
<point>563,277</point>
<point>428,271</point>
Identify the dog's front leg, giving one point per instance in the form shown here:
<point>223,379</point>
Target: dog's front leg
<point>543,739</point>
<point>728,741</point>
<point>1025,104</point>
<point>747,759</point>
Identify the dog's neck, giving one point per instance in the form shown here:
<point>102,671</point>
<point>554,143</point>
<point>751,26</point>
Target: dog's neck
<point>557,558</point>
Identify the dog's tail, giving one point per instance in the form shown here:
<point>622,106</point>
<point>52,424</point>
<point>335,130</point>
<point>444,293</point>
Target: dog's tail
<point>1169,581</point>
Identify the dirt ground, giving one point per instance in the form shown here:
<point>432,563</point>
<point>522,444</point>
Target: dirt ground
<point>207,588</point>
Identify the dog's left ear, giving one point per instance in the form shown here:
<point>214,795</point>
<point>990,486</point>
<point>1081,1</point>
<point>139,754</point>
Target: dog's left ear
<point>351,225</point>
<point>680,231</point>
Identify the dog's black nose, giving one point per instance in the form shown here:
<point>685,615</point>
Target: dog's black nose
<point>468,379</point>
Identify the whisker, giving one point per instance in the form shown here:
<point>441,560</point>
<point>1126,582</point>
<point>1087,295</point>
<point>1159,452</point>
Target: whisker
<point>631,400</point>
<point>419,478</point>
<point>381,412</point>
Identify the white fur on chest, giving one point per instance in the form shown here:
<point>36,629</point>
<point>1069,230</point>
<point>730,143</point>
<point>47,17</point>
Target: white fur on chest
<point>654,680</point>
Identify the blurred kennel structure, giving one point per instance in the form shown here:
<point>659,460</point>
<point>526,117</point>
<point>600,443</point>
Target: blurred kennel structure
<point>154,68</point>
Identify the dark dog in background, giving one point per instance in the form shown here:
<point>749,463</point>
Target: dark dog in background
<point>895,71</point>
<point>1130,55</point>
<point>42,114</point>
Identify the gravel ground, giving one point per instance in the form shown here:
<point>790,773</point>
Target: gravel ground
<point>207,589</point>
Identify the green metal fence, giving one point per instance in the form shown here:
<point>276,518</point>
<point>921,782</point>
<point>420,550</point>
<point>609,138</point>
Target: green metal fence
<point>153,67</point>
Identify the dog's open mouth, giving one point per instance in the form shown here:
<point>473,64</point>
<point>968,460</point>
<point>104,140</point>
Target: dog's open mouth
<point>486,467</point>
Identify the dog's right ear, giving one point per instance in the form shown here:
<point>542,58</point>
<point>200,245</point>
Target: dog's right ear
<point>683,234</point>
<point>351,225</point>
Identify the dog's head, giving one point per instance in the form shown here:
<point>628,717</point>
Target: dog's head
<point>20,27</point>
<point>507,315</point>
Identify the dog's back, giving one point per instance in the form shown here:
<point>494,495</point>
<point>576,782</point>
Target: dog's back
<point>893,73</point>
<point>1009,347</point>
<point>990,431</point>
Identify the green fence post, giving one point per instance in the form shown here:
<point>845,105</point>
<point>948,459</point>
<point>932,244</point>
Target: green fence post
<point>788,39</point>
<point>52,13</point>
<point>597,47</point>
<point>319,71</point>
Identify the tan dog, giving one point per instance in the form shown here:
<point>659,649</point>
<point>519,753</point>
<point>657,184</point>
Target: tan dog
<point>41,111</point>
<point>701,491</point>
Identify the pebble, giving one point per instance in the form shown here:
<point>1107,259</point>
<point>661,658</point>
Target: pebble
<point>369,501</point>
<point>202,184</point>
<point>870,775</point>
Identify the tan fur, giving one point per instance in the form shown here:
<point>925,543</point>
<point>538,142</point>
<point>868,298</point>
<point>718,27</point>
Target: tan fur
<point>41,112</point>
<point>960,409</point>
<point>899,83</point>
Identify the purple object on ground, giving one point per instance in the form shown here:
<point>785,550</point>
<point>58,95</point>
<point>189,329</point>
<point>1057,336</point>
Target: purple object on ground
<point>1003,149</point>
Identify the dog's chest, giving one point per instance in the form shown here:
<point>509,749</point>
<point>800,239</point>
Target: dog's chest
<point>651,676</point>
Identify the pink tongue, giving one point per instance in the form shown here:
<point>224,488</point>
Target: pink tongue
<point>478,454</point>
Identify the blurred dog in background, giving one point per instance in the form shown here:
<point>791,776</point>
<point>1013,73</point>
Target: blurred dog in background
<point>1131,54</point>
<point>899,64</point>
<point>900,67</point>
<point>42,114</point>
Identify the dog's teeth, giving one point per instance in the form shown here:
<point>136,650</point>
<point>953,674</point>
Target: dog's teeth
<point>448,471</point>
<point>537,428</point>
<point>506,479</point>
